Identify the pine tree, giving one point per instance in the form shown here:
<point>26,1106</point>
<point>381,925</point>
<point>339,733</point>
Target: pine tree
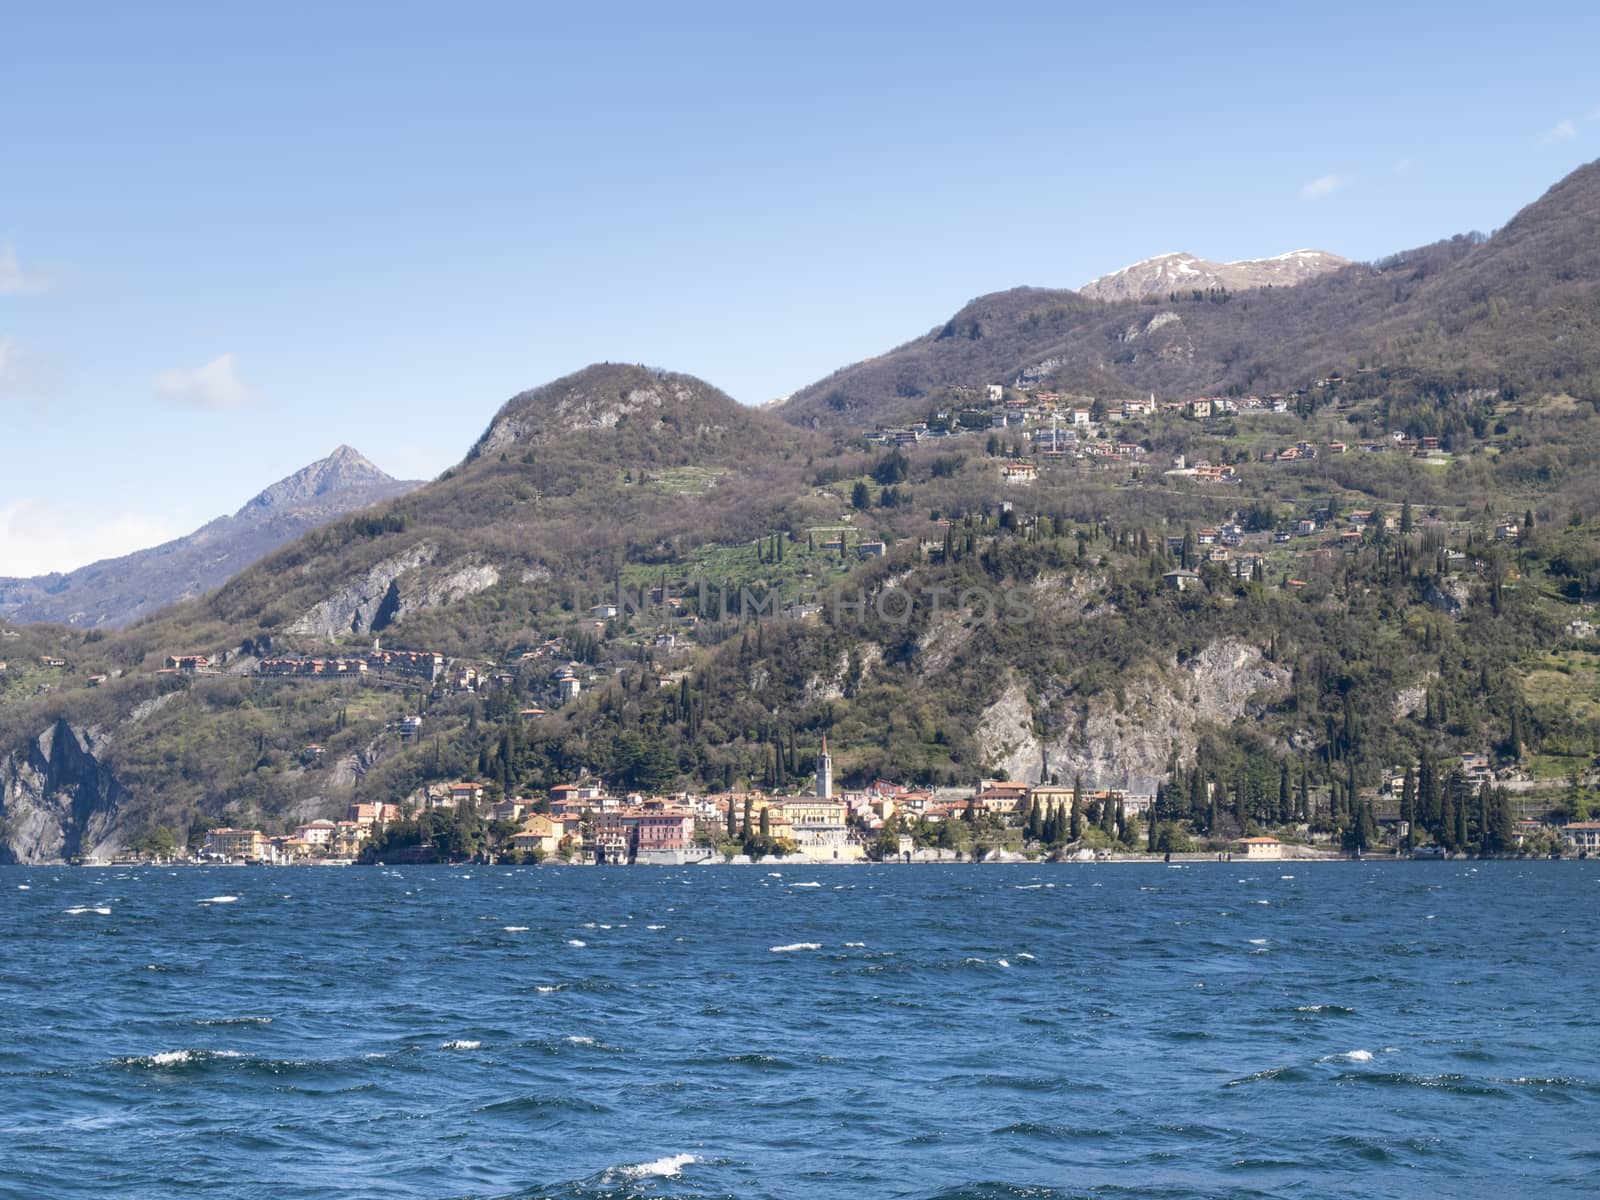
<point>1408,808</point>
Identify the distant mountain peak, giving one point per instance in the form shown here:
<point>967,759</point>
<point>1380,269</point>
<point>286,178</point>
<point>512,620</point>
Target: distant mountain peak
<point>1180,271</point>
<point>114,591</point>
<point>342,470</point>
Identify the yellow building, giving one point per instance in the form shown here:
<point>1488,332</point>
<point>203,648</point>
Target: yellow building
<point>538,833</point>
<point>247,844</point>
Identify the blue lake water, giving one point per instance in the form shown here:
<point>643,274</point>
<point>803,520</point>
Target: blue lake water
<point>1227,1030</point>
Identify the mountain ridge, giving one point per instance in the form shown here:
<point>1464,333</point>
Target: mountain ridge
<point>1182,271</point>
<point>1524,303</point>
<point>718,579</point>
<point>112,592</point>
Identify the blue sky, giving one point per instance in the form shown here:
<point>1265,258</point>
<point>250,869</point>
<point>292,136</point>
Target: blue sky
<point>234,237</point>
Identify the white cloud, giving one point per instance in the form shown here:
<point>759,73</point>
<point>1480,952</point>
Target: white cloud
<point>1403,166</point>
<point>14,278</point>
<point>1562,131</point>
<point>28,379</point>
<point>215,385</point>
<point>1322,186</point>
<point>40,536</point>
<point>10,363</point>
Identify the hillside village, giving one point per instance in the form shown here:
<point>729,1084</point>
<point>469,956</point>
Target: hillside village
<point>1317,533</point>
<point>1029,434</point>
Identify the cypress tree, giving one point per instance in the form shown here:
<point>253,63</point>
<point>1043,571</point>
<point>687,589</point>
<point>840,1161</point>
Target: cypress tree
<point>1408,808</point>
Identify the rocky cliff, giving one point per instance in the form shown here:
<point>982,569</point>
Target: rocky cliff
<point>57,800</point>
<point>1128,739</point>
<point>376,598</point>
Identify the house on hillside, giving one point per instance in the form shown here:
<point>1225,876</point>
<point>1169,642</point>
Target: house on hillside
<point>1181,580</point>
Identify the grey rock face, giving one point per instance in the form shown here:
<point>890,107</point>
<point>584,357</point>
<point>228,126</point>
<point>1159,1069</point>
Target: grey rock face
<point>57,800</point>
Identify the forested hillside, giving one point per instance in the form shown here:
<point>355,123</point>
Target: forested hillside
<point>1394,562</point>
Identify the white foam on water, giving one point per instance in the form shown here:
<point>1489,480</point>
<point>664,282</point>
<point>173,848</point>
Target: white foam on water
<point>1355,1056</point>
<point>1027,887</point>
<point>575,942</point>
<point>588,925</point>
<point>581,1041</point>
<point>811,884</point>
<point>656,928</point>
<point>514,929</point>
<point>461,1044</point>
<point>178,1058</point>
<point>81,909</point>
<point>1002,962</point>
<point>855,945</point>
<point>1258,941</point>
<point>1285,876</point>
<point>605,927</point>
<point>774,874</point>
<point>22,887</point>
<point>234,1021</point>
<point>549,987</point>
<point>1026,955</point>
<point>218,900</point>
<point>667,1167</point>
<point>794,946</point>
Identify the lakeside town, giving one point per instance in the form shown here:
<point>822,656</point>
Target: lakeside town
<point>1031,432</point>
<point>999,820</point>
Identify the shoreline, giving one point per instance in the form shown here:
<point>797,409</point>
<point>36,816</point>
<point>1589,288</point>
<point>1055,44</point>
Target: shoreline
<point>1177,860</point>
